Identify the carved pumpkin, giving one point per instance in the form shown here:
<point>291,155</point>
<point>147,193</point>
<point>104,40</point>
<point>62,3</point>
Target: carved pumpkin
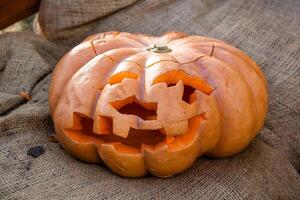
<point>144,104</point>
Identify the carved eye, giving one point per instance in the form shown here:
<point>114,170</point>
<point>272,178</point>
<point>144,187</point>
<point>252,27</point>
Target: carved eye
<point>117,78</point>
<point>187,92</point>
<point>172,77</point>
<point>191,83</point>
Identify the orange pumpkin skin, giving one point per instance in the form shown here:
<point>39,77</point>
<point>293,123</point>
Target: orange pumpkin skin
<point>143,104</point>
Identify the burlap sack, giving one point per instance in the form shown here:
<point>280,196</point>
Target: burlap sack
<point>60,15</point>
<point>268,31</point>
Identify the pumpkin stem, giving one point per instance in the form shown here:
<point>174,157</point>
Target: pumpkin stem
<point>159,49</point>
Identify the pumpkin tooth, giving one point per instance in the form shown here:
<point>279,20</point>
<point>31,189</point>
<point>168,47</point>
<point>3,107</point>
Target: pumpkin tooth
<point>121,125</point>
<point>176,128</point>
<point>102,125</point>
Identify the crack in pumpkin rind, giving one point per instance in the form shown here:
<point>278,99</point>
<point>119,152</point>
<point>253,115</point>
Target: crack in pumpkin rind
<point>212,49</point>
<point>93,47</point>
<point>95,139</point>
<point>177,62</point>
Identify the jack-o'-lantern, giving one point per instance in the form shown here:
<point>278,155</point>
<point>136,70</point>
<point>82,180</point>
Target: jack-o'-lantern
<point>144,104</point>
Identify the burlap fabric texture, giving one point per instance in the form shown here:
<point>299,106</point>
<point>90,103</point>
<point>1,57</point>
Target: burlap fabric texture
<point>268,31</point>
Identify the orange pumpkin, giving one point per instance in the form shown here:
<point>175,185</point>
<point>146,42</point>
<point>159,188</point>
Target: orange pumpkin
<point>144,104</point>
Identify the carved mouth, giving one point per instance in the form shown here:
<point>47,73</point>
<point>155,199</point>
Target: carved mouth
<point>136,138</point>
<point>84,129</point>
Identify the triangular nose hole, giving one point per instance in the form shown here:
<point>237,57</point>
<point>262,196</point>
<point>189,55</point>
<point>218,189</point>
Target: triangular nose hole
<point>138,110</point>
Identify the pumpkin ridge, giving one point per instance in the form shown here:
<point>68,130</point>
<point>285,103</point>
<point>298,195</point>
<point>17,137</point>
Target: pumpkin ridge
<point>221,67</point>
<point>250,88</point>
<point>252,66</point>
<point>54,90</point>
<point>122,35</point>
<point>139,59</point>
<point>253,84</point>
<point>130,61</point>
<point>241,55</point>
<point>116,62</point>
